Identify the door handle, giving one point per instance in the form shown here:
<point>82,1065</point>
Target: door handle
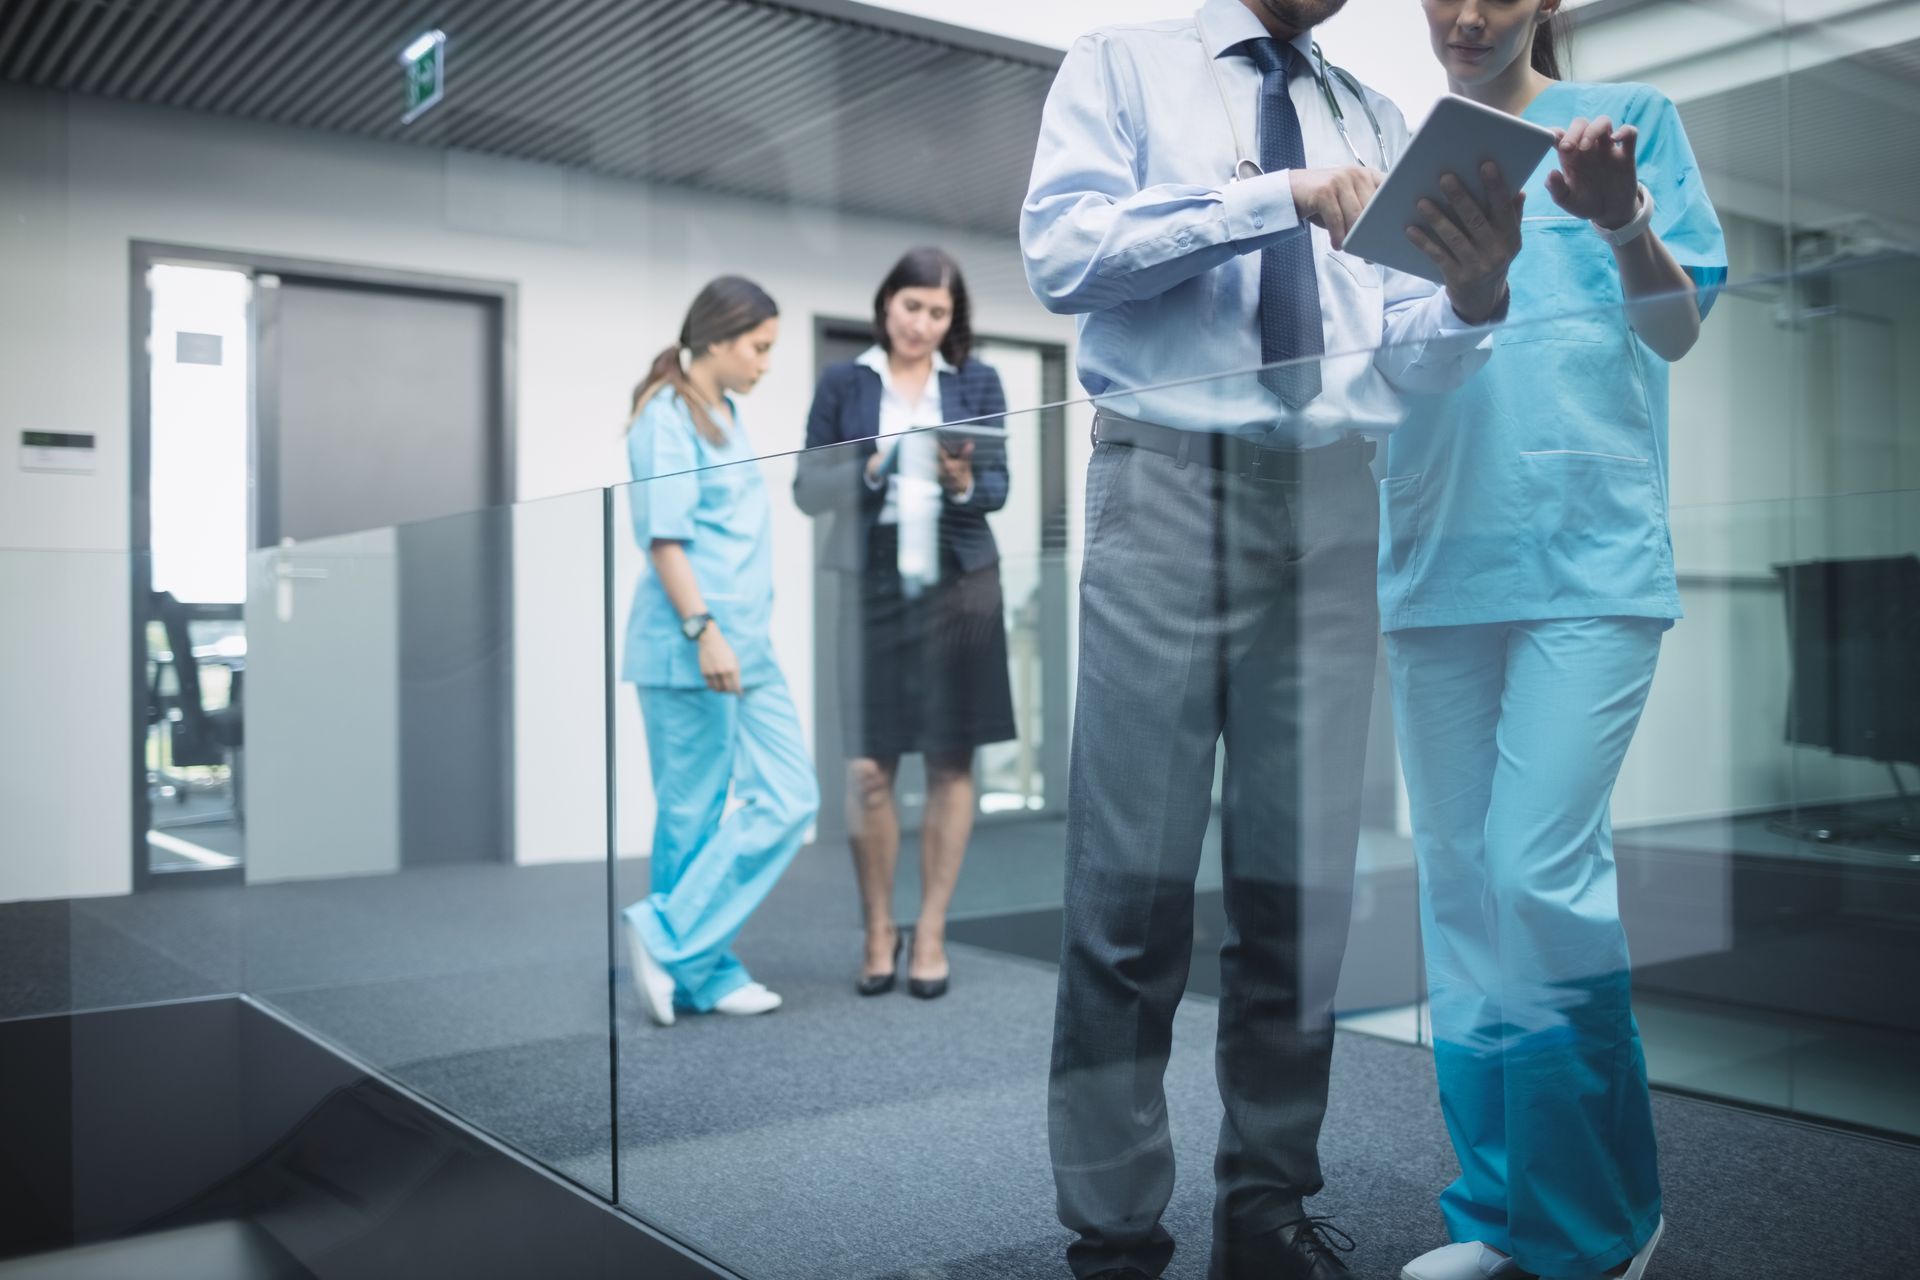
<point>284,576</point>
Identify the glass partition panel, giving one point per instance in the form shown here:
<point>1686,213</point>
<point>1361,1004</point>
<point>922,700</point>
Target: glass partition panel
<point>73,935</point>
<point>1767,836</point>
<point>753,867</point>
<point>1178,618</point>
<point>426,880</point>
<point>1041,726</point>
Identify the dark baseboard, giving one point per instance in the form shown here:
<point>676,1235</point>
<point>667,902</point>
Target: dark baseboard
<point>131,1121</point>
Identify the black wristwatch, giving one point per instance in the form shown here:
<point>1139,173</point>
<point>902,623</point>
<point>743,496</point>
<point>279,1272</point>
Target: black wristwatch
<point>696,626</point>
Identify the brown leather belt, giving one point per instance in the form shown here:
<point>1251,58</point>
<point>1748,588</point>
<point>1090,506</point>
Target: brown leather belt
<point>1235,455</point>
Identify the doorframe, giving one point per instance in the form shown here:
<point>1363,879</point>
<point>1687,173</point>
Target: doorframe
<point>143,255</point>
<point>1055,602</point>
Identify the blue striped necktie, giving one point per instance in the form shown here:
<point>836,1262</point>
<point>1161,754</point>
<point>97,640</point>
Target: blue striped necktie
<point>1289,291</point>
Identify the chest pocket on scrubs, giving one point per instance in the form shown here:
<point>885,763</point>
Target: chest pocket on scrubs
<point>1565,286</point>
<point>1595,522</point>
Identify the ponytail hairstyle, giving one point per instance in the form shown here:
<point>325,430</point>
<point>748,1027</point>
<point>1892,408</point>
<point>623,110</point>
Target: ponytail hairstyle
<point>725,309</point>
<point>1547,42</point>
<point>928,268</point>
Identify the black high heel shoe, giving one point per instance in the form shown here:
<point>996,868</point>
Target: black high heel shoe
<point>928,988</point>
<point>878,984</point>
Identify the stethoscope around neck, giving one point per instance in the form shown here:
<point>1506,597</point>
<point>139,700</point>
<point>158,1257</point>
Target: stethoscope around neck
<point>1324,74</point>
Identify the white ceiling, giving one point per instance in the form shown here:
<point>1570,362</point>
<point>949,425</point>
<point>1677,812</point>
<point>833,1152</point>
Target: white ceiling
<point>1855,67</point>
<point>868,110</point>
<point>1819,95</point>
<point>1854,148</point>
<point>845,114</point>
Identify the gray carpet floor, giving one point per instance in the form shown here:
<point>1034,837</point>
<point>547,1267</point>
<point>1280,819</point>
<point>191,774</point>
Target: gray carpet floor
<point>858,1138</point>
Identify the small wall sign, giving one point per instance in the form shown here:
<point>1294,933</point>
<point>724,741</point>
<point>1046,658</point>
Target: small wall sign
<point>58,451</point>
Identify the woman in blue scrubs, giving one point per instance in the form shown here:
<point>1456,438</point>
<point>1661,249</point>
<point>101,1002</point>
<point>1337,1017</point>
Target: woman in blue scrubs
<point>719,720</point>
<point>1526,579</point>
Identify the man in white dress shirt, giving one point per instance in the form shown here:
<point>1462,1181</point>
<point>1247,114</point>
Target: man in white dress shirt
<point>1228,585</point>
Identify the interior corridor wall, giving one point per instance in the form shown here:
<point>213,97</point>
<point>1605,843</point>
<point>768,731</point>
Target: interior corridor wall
<point>604,271</point>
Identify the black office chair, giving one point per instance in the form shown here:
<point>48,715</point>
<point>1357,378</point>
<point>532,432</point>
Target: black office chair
<point>196,734</point>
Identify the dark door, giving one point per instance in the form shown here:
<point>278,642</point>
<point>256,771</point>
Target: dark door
<point>382,408</point>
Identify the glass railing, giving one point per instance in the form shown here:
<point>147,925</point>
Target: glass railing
<point>398,789</point>
<point>426,832</point>
<point>1766,827</point>
<point>73,934</point>
<point>462,810</point>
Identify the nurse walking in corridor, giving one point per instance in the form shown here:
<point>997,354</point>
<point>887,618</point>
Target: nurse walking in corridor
<point>1526,579</point>
<point>719,719</point>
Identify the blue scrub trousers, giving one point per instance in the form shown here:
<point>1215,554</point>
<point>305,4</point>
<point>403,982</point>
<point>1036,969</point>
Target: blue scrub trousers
<point>711,868</point>
<point>1511,737</point>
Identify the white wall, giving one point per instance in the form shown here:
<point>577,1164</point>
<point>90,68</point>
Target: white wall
<point>605,270</point>
<point>64,784</point>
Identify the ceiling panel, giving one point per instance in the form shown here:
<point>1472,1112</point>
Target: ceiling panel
<point>747,97</point>
<point>1848,125</point>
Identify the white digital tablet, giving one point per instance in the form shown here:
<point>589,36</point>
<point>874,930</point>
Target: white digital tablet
<point>1456,138</point>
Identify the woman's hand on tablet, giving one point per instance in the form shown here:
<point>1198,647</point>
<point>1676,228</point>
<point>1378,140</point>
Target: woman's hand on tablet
<point>1334,197</point>
<point>1472,244</point>
<point>1598,178</point>
<point>956,469</point>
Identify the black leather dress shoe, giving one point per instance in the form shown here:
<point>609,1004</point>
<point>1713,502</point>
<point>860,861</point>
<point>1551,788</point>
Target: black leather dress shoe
<point>1304,1249</point>
<point>1122,1273</point>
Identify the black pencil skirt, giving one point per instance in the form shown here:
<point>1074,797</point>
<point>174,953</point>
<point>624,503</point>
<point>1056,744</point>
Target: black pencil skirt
<point>927,673</point>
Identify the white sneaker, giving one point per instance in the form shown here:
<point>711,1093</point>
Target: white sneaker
<point>1637,1266</point>
<point>1470,1261</point>
<point>747,1001</point>
<point>653,984</point>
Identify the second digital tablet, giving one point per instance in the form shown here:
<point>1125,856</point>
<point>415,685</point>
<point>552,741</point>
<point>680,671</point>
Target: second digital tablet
<point>1456,138</point>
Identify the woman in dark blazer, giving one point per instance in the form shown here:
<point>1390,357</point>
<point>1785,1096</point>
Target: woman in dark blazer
<point>923,648</point>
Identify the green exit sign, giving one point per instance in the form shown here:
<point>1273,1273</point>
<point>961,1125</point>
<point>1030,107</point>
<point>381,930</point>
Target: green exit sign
<point>425,62</point>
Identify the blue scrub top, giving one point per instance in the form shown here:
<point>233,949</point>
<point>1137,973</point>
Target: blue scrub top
<point>710,498</point>
<point>1539,489</point>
